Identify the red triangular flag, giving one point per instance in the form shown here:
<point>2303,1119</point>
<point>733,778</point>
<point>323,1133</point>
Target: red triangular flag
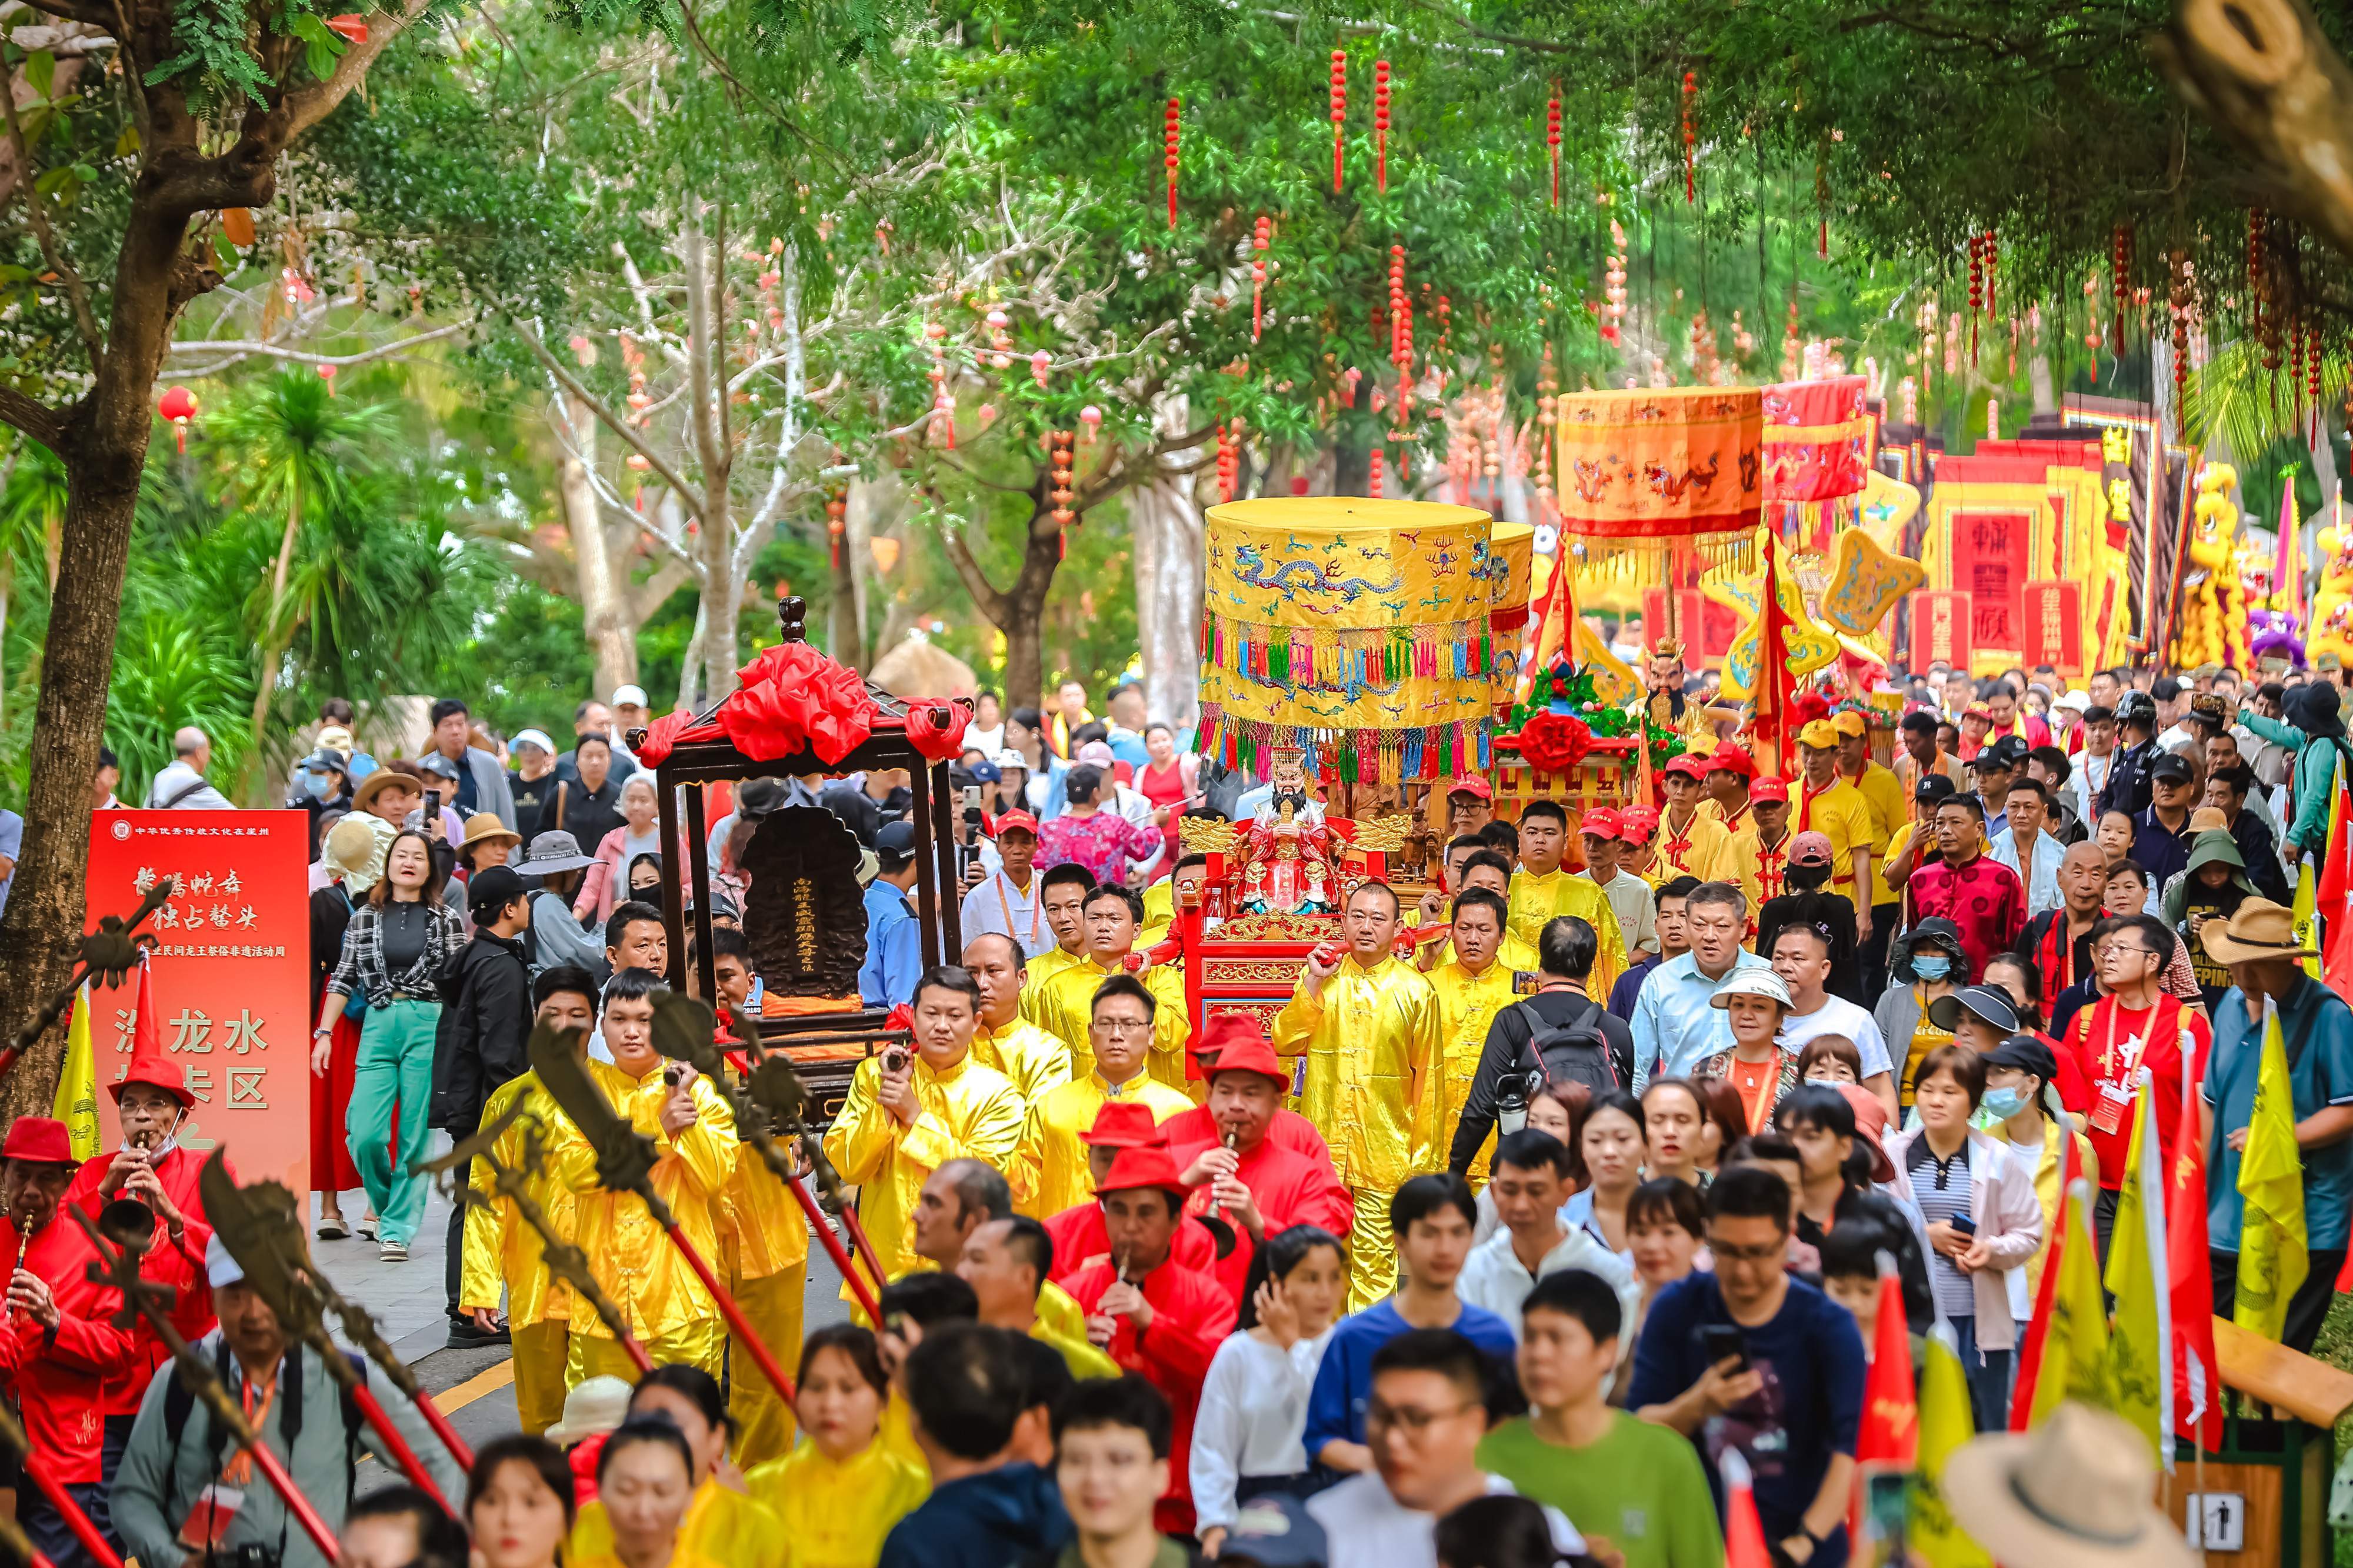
<point>1744,1531</point>
<point>2038,1328</point>
<point>2196,1369</point>
<point>1889,1436</point>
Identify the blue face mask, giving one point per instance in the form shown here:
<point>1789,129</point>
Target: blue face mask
<point>320,785</point>
<point>2004,1102</point>
<point>1931,965</point>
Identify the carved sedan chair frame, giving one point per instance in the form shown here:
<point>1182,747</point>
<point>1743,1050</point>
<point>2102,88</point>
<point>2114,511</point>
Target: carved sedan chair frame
<point>711,761</point>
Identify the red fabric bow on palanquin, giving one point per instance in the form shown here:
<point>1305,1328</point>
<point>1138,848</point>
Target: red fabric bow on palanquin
<point>792,697</point>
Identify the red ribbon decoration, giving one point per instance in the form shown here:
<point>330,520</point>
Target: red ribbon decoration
<point>935,726</point>
<point>794,697</point>
<point>1555,742</point>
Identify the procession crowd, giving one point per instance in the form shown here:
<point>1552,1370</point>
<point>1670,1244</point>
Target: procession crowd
<point>1547,1221</point>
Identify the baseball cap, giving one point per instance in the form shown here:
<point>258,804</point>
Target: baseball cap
<point>494,888</point>
<point>1600,823</point>
<point>1015,822</point>
<point>1094,755</point>
<point>1010,758</point>
<point>628,696</point>
<point>1932,788</point>
<point>983,772</point>
<point>1989,760</point>
<point>2011,749</point>
<point>1471,784</point>
<point>1847,722</point>
<point>324,759</point>
<point>1991,1003</point>
<point>533,738</point>
<point>1775,790</point>
<point>1691,765</point>
<point>2173,768</point>
<point>1811,849</point>
<point>895,843</point>
<point>2026,1054</point>
<point>1751,983</point>
<point>2081,702</point>
<point>1820,733</point>
<point>1730,759</point>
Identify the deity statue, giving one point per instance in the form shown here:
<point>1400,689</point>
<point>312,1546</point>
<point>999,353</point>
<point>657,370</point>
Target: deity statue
<point>1287,864</point>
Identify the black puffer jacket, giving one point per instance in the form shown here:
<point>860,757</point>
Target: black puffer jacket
<point>484,1031</point>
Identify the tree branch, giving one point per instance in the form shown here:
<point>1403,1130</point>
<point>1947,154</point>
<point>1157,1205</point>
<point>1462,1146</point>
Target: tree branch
<point>990,601</point>
<point>35,420</point>
<point>646,598</point>
<point>273,351</point>
<point>306,106</point>
<point>606,417</point>
<point>93,343</point>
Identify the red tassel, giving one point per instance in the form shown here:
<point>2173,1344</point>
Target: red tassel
<point>1171,161</point>
<point>1381,125</point>
<point>1691,140</point>
<point>1339,110</point>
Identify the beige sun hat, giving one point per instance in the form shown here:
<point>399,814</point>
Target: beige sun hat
<point>2260,930</point>
<point>594,1406</point>
<point>1752,983</point>
<point>2076,1492</point>
<point>354,852</point>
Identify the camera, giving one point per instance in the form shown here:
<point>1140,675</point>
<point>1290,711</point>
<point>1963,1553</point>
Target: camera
<point>246,1554</point>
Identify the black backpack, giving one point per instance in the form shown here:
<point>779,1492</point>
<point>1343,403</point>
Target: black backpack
<point>180,1402</point>
<point>1573,1052</point>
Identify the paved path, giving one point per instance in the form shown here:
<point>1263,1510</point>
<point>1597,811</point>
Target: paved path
<point>475,1386</point>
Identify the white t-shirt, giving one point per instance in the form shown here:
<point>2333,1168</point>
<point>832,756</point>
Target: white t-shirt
<point>1365,1527</point>
<point>1838,1017</point>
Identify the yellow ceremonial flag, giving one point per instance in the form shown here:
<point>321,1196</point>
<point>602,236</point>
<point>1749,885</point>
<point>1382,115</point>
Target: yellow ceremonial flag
<point>2305,907</point>
<point>1945,1426</point>
<point>2140,1341</point>
<point>2272,1260</point>
<point>2075,1360</point>
<point>77,1099</point>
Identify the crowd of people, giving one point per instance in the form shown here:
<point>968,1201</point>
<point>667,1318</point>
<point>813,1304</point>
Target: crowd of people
<point>1549,1209</point>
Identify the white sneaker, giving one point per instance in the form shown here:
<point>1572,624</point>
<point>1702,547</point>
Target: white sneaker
<point>393,1252</point>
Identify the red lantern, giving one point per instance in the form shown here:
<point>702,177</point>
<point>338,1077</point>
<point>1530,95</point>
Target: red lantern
<point>179,406</point>
<point>1339,110</point>
<point>1170,159</point>
<point>1259,244</point>
<point>1552,140</point>
<point>1381,125</point>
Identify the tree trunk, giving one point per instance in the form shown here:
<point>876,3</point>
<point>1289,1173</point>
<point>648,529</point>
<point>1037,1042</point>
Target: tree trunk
<point>601,570</point>
<point>2038,378</point>
<point>1168,528</point>
<point>845,638</point>
<point>723,587</point>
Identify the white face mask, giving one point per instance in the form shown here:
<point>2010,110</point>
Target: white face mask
<point>1827,1082</point>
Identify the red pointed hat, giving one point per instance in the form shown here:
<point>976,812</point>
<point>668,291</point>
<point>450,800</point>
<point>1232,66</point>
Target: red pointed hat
<point>1123,1124</point>
<point>1145,1167</point>
<point>1226,1030</point>
<point>39,1139</point>
<point>1252,1055</point>
<point>156,1071</point>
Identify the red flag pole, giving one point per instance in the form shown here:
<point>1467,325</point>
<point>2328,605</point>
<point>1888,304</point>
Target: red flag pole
<point>76,1519</point>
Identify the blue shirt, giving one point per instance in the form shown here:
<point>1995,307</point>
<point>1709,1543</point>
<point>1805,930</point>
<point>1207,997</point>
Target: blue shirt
<point>1629,989</point>
<point>1006,1515</point>
<point>1343,1380</point>
<point>1812,1357</point>
<point>2317,1027</point>
<point>12,843</point>
<point>1127,746</point>
<point>1676,1025</point>
<point>893,956</point>
<point>2157,849</point>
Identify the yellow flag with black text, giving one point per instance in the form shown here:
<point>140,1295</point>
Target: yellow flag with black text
<point>2272,1260</point>
<point>1945,1426</point>
<point>77,1099</point>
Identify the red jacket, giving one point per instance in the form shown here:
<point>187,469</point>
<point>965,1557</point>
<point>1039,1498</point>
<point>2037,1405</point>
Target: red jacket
<point>180,1265</point>
<point>62,1377</point>
<point>1192,1314</point>
<point>1080,1237</point>
<point>1288,1129</point>
<point>1290,1189</point>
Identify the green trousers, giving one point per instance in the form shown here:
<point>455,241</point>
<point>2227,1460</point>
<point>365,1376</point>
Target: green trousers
<point>395,1068</point>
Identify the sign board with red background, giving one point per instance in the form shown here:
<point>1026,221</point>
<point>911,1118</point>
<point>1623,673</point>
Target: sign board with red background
<point>231,970</point>
<point>1940,628</point>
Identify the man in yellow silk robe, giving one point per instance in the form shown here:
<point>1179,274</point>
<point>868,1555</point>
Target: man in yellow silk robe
<point>1472,987</point>
<point>1542,890</point>
<point>1367,1024</point>
<point>1478,866</point>
<point>898,1127</point>
<point>1113,917</point>
<point>1036,1061</point>
<point>1049,1171</point>
<point>665,1306</point>
<point>1691,842</point>
<point>501,1249</point>
<point>1760,851</point>
<point>1061,897</point>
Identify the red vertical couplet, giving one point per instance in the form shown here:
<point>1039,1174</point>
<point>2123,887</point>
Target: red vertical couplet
<point>1339,110</point>
<point>1171,161</point>
<point>1552,141</point>
<point>1259,243</point>
<point>1381,126</point>
<point>1691,140</point>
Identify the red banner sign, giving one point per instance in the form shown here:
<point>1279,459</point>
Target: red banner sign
<point>1707,627</point>
<point>231,970</point>
<point>1990,565</point>
<point>1941,629</point>
<point>2054,625</point>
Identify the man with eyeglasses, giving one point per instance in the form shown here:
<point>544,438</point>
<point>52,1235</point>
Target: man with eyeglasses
<point>1790,1396</point>
<point>1423,1420</point>
<point>2135,1025</point>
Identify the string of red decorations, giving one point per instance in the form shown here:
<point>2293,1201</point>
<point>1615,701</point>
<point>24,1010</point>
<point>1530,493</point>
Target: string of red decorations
<point>1170,159</point>
<point>1259,243</point>
<point>836,520</point>
<point>2178,305</point>
<point>1058,454</point>
<point>1552,140</point>
<point>2121,266</point>
<point>1691,140</point>
<point>1381,126</point>
<point>1373,478</point>
<point>1339,111</point>
<point>1230,441</point>
<point>1977,289</point>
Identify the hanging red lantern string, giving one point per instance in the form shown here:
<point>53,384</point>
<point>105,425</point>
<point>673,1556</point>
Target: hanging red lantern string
<point>1381,126</point>
<point>1991,262</point>
<point>1691,140</point>
<point>836,520</point>
<point>1171,161</point>
<point>1339,110</point>
<point>2311,370</point>
<point>2178,301</point>
<point>2121,284</point>
<point>1259,244</point>
<point>1373,481</point>
<point>1976,292</point>
<point>178,405</point>
<point>1552,140</point>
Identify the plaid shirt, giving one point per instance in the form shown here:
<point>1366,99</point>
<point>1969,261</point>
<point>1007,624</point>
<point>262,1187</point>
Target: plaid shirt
<point>361,969</point>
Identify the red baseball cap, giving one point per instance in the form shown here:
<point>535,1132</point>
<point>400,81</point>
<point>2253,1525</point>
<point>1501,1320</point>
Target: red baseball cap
<point>1690,765</point>
<point>1637,823</point>
<point>1471,784</point>
<point>1600,823</point>
<point>39,1139</point>
<point>1729,758</point>
<point>1123,1124</point>
<point>1769,789</point>
<point>1252,1055</point>
<point>1014,822</point>
<point>1146,1166</point>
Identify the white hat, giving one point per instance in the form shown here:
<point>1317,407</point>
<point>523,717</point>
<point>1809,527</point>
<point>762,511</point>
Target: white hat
<point>1752,983</point>
<point>533,738</point>
<point>1010,758</point>
<point>2081,702</point>
<point>595,1405</point>
<point>220,1269</point>
<point>628,696</point>
<point>2075,1491</point>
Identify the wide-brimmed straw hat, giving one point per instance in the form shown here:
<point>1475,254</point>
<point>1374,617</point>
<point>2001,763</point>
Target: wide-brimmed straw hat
<point>2076,1492</point>
<point>2260,930</point>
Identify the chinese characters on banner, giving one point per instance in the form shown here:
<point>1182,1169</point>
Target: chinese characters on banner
<point>2054,626</point>
<point>1940,629</point>
<point>231,970</point>
<point>1990,565</point>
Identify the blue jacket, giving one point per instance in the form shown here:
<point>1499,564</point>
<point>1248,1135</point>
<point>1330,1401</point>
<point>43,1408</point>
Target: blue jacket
<point>987,1521</point>
<point>1344,1379</point>
<point>894,956</point>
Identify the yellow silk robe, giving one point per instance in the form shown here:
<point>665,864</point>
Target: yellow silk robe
<point>1159,914</point>
<point>1042,968</point>
<point>500,1249</point>
<point>657,1292</point>
<point>1049,1169</point>
<point>721,1527</point>
<point>1843,815</point>
<point>1034,1058</point>
<point>1891,807</point>
<point>1514,954</point>
<point>1370,1044</point>
<point>1759,870</point>
<point>1704,846</point>
<point>1467,1004</point>
<point>969,1112</point>
<point>1066,1008</point>
<point>1537,898</point>
<point>836,1515</point>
